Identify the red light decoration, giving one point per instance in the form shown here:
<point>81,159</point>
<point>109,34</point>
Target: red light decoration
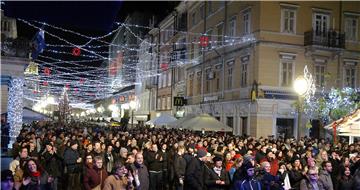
<point>113,101</point>
<point>47,71</point>
<point>45,83</point>
<point>76,51</point>
<point>164,66</point>
<point>67,85</point>
<point>204,41</point>
<point>82,80</point>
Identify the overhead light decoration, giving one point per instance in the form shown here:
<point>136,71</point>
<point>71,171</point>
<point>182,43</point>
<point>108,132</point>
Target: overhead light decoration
<point>15,108</point>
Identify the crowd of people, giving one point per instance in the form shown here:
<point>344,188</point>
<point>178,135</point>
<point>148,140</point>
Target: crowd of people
<point>87,157</point>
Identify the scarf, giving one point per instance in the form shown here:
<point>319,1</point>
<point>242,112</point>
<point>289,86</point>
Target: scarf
<point>218,171</point>
<point>35,174</point>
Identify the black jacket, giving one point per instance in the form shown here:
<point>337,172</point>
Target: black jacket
<point>211,176</point>
<point>154,163</point>
<point>70,157</point>
<point>194,175</point>
<point>179,166</point>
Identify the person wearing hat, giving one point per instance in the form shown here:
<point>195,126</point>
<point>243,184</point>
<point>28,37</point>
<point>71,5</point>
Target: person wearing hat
<point>249,182</point>
<point>73,162</point>
<point>217,178</point>
<point>295,173</point>
<point>7,180</point>
<point>274,163</point>
<point>194,174</point>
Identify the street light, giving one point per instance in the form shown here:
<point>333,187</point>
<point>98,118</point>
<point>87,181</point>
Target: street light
<point>304,86</point>
<point>132,107</point>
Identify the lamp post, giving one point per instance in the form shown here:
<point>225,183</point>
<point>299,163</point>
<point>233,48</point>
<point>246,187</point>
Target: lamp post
<point>132,107</point>
<point>301,86</point>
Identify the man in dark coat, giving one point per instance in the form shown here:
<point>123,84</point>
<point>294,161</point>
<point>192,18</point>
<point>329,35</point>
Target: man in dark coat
<point>217,178</point>
<point>73,162</point>
<point>155,165</point>
<point>142,172</point>
<point>52,163</point>
<point>179,168</point>
<point>194,176</point>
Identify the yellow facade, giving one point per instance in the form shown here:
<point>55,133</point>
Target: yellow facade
<point>279,53</point>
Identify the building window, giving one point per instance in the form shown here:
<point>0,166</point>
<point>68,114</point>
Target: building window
<point>193,18</point>
<point>159,103</point>
<point>163,103</point>
<point>351,27</point>
<point>286,73</point>
<point>320,75</point>
<point>209,7</point>
<point>350,77</point>
<point>160,80</point>
<point>321,24</point>
<point>247,22</point>
<point>220,33</point>
<point>217,77</point>
<point>207,85</point>
<point>230,121</point>
<point>191,81</point>
<point>232,26</point>
<point>168,102</point>
<point>199,84</point>
<point>244,72</point>
<point>202,11</point>
<point>230,78</point>
<point>164,77</point>
<point>288,21</point>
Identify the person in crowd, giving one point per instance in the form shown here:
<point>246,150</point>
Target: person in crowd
<point>123,155</point>
<point>190,153</point>
<point>142,172</point>
<point>109,158</point>
<point>268,181</point>
<point>237,165</point>
<point>98,150</point>
<point>346,181</point>
<point>179,168</point>
<point>22,155</point>
<point>325,175</point>
<point>249,182</point>
<point>311,181</point>
<point>73,162</point>
<point>119,180</point>
<point>52,162</point>
<point>165,166</point>
<point>35,177</point>
<point>217,178</point>
<point>7,180</point>
<point>295,173</point>
<point>95,174</point>
<point>271,158</point>
<point>194,174</point>
<point>155,166</point>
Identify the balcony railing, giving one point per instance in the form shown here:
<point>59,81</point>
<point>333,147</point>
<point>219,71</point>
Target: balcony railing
<point>329,38</point>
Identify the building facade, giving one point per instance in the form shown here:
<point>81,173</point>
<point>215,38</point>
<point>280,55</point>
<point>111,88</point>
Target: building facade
<point>265,46</point>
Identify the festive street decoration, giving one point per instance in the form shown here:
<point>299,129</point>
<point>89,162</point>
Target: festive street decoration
<point>164,66</point>
<point>45,83</point>
<point>15,108</point>
<point>32,69</point>
<point>47,71</point>
<point>204,41</point>
<point>76,51</point>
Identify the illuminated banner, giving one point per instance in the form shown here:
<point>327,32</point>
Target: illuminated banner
<point>32,69</point>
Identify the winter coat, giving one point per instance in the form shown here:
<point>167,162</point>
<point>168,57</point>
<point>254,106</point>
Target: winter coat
<point>325,180</point>
<point>143,176</point>
<point>70,157</point>
<point>93,177</point>
<point>295,177</point>
<point>306,185</point>
<point>268,181</point>
<point>194,175</point>
<point>179,166</point>
<point>245,184</point>
<point>53,164</point>
<point>38,183</point>
<point>114,183</point>
<point>345,183</point>
<point>211,176</point>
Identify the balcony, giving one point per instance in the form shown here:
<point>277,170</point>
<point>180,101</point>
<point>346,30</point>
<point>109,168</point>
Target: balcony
<point>328,38</point>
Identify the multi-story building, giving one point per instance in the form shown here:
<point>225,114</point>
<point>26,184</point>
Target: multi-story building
<point>171,81</point>
<point>265,46</point>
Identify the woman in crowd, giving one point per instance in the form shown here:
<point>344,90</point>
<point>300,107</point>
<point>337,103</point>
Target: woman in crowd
<point>35,178</point>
